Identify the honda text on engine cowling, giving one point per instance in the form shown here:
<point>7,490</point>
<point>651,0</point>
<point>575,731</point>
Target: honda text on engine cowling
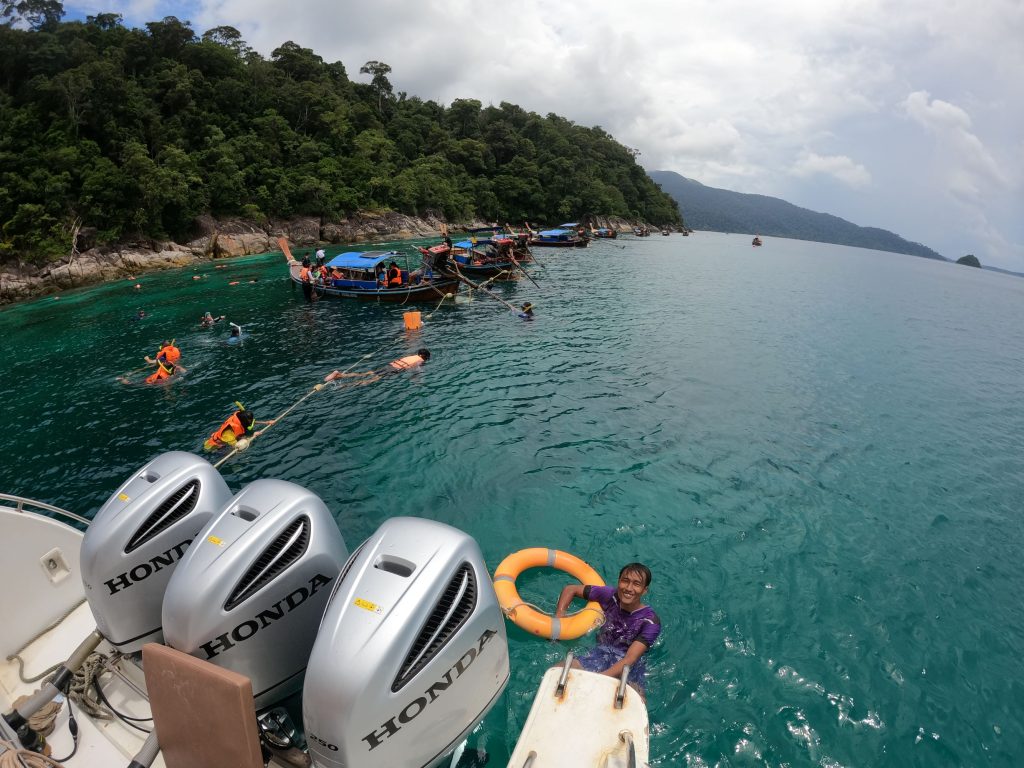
<point>411,653</point>
<point>251,591</point>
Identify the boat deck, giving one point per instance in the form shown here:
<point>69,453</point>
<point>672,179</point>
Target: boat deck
<point>101,742</point>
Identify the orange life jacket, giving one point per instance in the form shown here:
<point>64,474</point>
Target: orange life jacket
<point>163,371</point>
<point>235,424</point>
<point>304,274</point>
<point>394,276</point>
<point>405,363</point>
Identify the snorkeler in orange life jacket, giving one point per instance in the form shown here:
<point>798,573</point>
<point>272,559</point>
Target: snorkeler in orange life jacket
<point>238,425</point>
<point>368,377</point>
<point>165,362</point>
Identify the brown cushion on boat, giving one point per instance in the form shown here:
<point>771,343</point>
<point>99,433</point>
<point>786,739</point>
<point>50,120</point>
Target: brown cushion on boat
<point>204,715</point>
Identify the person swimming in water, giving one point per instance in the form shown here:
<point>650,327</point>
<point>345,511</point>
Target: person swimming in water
<point>208,320</point>
<point>630,627</point>
<point>238,426</point>
<point>166,362</point>
<point>236,334</point>
<point>407,363</point>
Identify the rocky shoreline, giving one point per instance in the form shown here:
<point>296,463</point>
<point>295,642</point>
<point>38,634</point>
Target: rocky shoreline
<point>218,240</point>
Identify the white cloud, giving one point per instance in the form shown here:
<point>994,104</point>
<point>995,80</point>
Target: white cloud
<point>838,166</point>
<point>966,169</point>
<point>723,91</point>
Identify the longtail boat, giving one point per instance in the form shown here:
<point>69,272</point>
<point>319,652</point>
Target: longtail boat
<point>604,232</point>
<point>484,258</point>
<point>520,240</point>
<point>354,275</point>
<point>558,238</point>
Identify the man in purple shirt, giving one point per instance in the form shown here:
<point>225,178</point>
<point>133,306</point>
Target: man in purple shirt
<point>629,629</point>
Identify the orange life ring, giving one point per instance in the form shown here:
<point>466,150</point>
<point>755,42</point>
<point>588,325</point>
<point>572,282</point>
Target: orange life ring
<point>529,618</point>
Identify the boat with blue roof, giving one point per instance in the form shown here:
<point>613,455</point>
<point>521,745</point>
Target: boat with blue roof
<point>484,258</point>
<point>558,238</point>
<point>374,276</point>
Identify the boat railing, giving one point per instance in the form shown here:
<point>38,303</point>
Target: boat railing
<point>22,504</point>
<point>620,694</point>
<point>564,677</point>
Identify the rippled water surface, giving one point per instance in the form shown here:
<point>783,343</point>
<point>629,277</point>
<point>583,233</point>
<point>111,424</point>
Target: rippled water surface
<point>817,449</point>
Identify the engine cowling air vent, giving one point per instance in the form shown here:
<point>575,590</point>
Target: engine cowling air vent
<point>451,612</point>
<point>344,572</point>
<point>282,552</point>
<point>174,507</point>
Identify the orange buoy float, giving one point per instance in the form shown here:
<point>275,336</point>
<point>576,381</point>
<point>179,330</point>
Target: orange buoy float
<point>412,321</point>
<point>529,618</point>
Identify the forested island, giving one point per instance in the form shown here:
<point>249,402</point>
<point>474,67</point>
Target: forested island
<point>112,135</point>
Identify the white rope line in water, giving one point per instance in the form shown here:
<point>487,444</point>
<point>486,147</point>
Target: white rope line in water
<point>318,387</point>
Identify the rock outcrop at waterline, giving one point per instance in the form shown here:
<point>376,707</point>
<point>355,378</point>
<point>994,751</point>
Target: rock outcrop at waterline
<point>217,240</point>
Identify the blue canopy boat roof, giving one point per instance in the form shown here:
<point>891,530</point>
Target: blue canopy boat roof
<point>469,244</point>
<point>361,259</point>
<point>553,233</point>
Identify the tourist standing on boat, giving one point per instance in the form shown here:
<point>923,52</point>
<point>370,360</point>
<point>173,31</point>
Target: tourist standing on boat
<point>407,363</point>
<point>394,275</point>
<point>306,276</point>
<point>630,627</point>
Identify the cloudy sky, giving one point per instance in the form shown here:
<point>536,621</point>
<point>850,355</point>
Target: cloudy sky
<point>900,114</point>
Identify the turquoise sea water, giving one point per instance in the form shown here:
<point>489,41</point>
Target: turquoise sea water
<point>816,449</point>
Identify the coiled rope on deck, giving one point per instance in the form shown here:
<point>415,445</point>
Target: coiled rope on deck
<point>15,757</point>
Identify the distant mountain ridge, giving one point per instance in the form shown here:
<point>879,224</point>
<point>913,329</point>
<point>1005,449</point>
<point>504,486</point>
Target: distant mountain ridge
<point>722,210</point>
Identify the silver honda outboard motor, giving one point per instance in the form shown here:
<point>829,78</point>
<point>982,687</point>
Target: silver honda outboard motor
<point>139,537</point>
<point>250,593</point>
<point>411,653</point>
<point>128,554</point>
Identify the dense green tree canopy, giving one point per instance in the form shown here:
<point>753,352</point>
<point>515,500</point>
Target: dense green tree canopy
<point>136,132</point>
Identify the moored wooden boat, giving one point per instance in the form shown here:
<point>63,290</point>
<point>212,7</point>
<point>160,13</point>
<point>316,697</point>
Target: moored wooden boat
<point>353,275</point>
<point>558,238</point>
<point>484,258</point>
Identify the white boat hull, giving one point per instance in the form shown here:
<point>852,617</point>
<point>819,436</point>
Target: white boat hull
<point>582,728</point>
